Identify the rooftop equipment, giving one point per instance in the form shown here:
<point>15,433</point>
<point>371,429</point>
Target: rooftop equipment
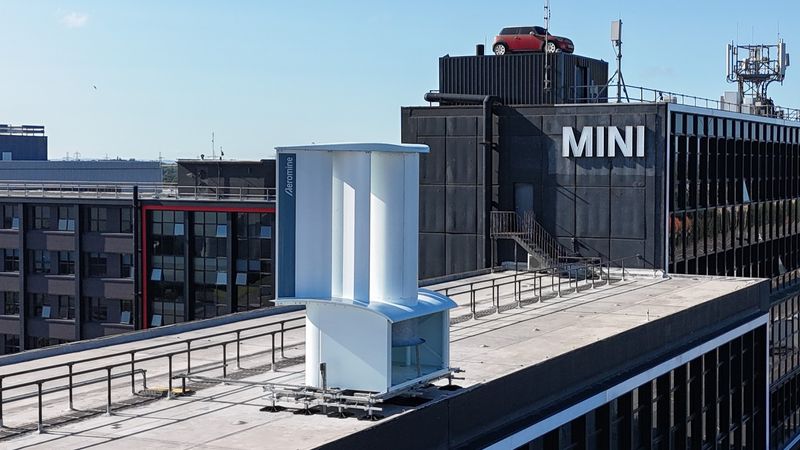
<point>753,68</point>
<point>348,218</point>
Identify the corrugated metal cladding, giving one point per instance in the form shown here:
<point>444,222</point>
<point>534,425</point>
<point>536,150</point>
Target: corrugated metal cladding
<point>518,78</point>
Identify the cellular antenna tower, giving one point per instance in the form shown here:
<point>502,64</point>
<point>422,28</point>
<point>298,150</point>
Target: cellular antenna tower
<point>753,67</point>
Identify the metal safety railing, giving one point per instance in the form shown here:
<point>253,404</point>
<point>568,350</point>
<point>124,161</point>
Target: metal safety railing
<point>570,275</point>
<point>528,233</point>
<point>145,191</point>
<point>638,94</point>
<point>105,366</point>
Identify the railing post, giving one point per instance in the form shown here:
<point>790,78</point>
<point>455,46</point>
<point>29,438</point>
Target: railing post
<point>586,272</point>
<point>472,301</point>
<point>540,288</point>
<point>1,402</point>
<point>40,425</point>
<point>224,360</point>
<point>169,376</point>
<point>238,362</point>
<point>272,368</point>
<point>623,269</point>
<point>188,357</point>
<point>70,386</point>
<point>593,278</point>
<point>559,286</point>
<point>282,333</point>
<point>108,398</point>
<point>133,374</point>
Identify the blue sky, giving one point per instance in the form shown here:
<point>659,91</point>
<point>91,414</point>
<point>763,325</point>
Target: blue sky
<point>267,73</point>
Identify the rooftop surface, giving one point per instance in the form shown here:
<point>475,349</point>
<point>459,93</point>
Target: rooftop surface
<point>226,415</point>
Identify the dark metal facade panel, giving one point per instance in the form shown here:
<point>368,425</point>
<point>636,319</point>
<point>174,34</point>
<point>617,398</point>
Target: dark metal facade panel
<point>592,212</point>
<point>432,209</point>
<point>461,209</point>
<point>628,213</point>
<point>462,160</point>
<point>452,193</point>
<point>575,198</point>
<point>24,147</point>
<point>462,250</point>
<point>580,197</point>
<point>432,252</point>
<point>518,78</point>
<point>433,165</point>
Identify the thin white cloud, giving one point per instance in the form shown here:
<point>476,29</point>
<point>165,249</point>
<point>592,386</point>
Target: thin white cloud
<point>75,20</point>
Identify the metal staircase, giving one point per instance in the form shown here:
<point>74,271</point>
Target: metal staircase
<point>530,235</point>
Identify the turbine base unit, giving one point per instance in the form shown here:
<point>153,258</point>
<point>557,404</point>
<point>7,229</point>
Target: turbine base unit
<point>347,237</point>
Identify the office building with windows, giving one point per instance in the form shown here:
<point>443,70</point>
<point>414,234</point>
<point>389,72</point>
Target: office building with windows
<point>81,262</point>
<point>686,189</point>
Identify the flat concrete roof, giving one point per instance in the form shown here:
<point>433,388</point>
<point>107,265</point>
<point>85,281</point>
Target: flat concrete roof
<point>488,349</point>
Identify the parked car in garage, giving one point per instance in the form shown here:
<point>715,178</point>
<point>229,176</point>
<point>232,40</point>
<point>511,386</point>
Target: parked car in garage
<point>529,39</point>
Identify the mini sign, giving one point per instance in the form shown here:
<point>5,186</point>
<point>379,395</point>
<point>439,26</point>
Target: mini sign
<point>603,141</point>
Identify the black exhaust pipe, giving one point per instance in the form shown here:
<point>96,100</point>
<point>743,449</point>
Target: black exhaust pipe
<point>488,102</point>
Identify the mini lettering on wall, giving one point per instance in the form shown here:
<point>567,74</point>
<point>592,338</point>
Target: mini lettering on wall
<point>603,142</point>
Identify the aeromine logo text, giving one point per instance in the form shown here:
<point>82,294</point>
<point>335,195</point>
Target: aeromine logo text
<point>289,189</point>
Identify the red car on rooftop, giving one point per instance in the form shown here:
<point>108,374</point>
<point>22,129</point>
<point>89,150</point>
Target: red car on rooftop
<point>529,39</point>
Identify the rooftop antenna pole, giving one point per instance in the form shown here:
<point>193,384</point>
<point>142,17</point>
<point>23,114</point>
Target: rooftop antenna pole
<point>616,40</point>
<point>546,54</point>
<point>212,145</point>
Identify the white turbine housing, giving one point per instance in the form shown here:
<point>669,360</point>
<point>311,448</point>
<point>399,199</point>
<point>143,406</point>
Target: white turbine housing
<point>347,249</point>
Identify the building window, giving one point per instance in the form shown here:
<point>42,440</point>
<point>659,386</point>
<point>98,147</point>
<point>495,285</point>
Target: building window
<point>98,219</point>
<point>126,265</point>
<point>125,311</point>
<point>41,217</point>
<point>37,304</point>
<point>254,281</point>
<point>96,309</point>
<point>10,217</point>
<point>210,264</point>
<point>66,218</point>
<point>10,344</point>
<point>10,303</point>
<point>97,263</point>
<point>40,262</point>
<point>66,263</point>
<point>10,259</point>
<point>66,307</point>
<point>168,223</point>
<point>126,221</point>
<point>168,268</point>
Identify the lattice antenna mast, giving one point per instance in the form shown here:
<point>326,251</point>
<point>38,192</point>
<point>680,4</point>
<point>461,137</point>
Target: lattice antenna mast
<point>753,68</point>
